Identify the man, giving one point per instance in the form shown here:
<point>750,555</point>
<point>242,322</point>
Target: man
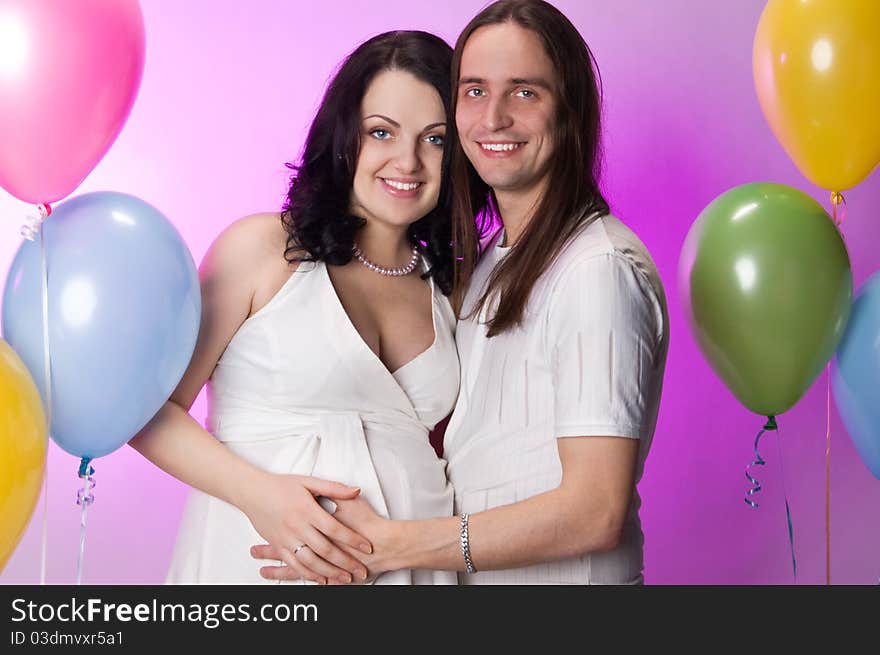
<point>563,332</point>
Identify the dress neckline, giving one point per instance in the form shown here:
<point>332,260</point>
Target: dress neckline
<point>350,326</point>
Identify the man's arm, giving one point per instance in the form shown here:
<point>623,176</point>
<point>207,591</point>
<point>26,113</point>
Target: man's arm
<point>585,513</point>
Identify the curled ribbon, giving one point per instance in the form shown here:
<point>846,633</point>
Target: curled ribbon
<point>756,486</point>
<point>84,498</point>
<point>759,461</point>
<point>31,229</point>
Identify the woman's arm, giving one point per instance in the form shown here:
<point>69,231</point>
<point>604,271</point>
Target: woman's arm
<point>282,508</point>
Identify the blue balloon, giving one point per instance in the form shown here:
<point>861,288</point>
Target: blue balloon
<point>124,312</point>
<point>856,378</point>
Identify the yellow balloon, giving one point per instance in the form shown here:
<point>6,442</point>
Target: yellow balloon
<point>23,444</point>
<point>816,65</point>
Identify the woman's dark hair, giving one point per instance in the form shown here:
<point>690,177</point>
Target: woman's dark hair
<point>573,172</point>
<point>316,213</point>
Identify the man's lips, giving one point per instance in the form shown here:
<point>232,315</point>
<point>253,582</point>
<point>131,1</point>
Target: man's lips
<point>500,149</point>
<point>501,146</point>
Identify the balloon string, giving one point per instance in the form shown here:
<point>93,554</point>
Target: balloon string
<point>759,461</point>
<point>828,475</point>
<point>787,506</point>
<point>29,233</point>
<point>837,200</point>
<point>84,498</point>
<point>45,539</point>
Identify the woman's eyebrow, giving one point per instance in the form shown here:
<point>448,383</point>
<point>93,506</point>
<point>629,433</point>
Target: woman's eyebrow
<point>385,118</point>
<point>433,125</point>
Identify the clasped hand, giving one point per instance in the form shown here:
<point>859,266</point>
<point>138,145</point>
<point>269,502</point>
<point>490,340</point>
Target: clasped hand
<point>312,543</point>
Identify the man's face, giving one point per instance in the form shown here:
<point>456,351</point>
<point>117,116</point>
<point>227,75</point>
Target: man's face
<point>505,107</point>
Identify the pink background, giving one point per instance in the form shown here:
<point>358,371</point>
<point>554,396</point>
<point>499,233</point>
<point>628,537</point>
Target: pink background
<point>227,95</point>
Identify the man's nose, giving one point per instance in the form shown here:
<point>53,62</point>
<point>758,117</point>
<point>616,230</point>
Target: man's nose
<point>497,115</point>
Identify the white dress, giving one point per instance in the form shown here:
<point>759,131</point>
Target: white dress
<point>299,391</point>
<point>588,360</point>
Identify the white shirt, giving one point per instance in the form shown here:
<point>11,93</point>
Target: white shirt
<point>587,360</point>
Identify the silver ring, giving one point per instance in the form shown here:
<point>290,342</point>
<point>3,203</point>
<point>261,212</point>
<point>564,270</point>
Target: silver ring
<point>299,548</point>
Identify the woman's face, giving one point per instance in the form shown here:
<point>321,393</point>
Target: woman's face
<point>403,124</point>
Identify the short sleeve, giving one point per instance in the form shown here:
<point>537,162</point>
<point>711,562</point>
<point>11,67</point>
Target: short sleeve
<point>605,335</point>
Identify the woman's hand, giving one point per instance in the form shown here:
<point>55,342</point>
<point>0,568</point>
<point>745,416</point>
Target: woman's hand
<point>312,543</point>
<point>354,513</point>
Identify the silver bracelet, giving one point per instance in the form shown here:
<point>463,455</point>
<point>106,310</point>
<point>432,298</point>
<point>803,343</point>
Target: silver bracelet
<point>465,546</point>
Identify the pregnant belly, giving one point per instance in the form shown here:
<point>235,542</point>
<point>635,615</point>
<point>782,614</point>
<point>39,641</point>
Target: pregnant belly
<point>412,477</point>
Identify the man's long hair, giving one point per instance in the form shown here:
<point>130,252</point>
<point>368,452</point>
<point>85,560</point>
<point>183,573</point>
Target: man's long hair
<point>572,195</point>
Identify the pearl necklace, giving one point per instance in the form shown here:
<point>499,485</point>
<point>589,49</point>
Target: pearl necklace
<point>381,270</point>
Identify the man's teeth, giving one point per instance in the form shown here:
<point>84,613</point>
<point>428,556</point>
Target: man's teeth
<point>500,147</point>
<point>402,186</point>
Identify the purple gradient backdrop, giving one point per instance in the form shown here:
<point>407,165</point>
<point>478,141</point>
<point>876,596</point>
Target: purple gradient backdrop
<point>227,95</point>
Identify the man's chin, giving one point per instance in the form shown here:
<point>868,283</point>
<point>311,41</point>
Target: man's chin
<point>498,180</point>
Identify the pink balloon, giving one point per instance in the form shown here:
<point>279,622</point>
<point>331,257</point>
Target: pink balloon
<point>69,74</point>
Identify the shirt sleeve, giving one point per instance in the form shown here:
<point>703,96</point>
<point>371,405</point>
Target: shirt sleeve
<point>606,344</point>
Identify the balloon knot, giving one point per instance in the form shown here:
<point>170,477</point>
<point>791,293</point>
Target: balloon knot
<point>771,423</point>
<point>838,213</point>
<point>84,468</point>
<point>31,229</point>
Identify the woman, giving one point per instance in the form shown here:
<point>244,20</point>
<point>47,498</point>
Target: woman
<point>327,338</point>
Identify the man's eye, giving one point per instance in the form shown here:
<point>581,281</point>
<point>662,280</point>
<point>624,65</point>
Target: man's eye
<point>526,93</point>
<point>474,93</point>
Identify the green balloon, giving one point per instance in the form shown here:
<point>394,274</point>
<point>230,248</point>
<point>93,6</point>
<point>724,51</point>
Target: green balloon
<point>766,281</point>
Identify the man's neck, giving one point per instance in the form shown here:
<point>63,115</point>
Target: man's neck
<point>516,209</point>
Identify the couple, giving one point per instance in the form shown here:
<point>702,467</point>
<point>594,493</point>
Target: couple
<point>336,335</point>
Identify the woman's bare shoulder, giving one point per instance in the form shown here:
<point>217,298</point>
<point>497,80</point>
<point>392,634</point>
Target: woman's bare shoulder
<point>246,245</point>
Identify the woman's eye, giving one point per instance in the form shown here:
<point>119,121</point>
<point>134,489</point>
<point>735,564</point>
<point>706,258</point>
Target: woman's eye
<point>381,134</point>
<point>435,139</point>
<point>474,93</point>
